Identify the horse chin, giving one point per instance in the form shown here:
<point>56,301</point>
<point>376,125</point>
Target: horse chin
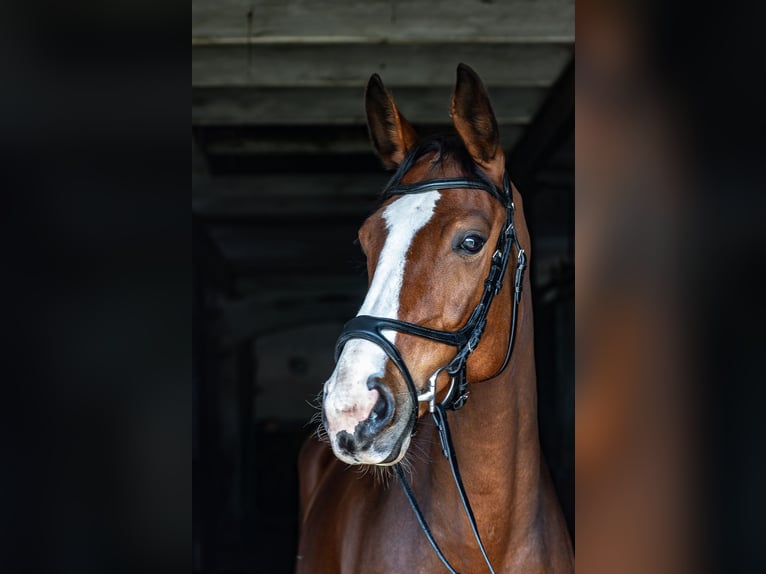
<point>397,453</point>
<point>394,458</point>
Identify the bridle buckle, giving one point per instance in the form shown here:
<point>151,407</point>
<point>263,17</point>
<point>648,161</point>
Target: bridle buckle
<point>510,230</point>
<point>429,396</point>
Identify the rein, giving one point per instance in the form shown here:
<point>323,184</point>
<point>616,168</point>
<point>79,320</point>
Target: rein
<point>465,339</point>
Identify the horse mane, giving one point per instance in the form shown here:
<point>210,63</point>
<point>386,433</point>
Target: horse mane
<point>448,147</point>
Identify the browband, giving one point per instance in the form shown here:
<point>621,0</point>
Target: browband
<point>451,183</point>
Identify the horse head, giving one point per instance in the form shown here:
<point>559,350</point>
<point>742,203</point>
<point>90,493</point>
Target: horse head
<point>428,256</point>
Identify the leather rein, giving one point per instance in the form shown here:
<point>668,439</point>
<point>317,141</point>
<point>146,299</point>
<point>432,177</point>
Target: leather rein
<point>465,339</point>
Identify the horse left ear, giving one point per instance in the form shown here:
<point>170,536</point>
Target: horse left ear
<point>475,122</point>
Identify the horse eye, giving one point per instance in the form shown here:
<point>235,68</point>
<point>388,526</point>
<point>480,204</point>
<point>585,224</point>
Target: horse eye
<point>472,243</point>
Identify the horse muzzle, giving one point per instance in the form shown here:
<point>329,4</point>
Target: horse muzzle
<point>367,428</point>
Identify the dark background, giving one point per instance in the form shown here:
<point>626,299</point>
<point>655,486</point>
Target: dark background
<point>282,177</point>
<point>97,384</point>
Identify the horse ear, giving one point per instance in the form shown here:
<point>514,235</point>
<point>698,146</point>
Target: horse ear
<point>475,121</point>
<point>391,133</point>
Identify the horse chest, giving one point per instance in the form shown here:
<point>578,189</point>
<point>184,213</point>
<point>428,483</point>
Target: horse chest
<point>361,524</point>
<point>358,525</point>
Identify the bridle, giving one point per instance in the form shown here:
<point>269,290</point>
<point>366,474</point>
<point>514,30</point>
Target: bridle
<point>465,339</point>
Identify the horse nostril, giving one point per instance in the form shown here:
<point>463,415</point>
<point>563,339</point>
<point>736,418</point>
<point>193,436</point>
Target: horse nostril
<point>346,442</point>
<point>383,410</point>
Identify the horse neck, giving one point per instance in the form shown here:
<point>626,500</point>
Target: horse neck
<point>496,440</point>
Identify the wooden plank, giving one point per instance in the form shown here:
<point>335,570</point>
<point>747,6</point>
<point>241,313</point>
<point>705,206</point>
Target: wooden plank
<point>391,20</point>
<point>270,142</point>
<point>286,139</point>
<point>298,186</point>
<point>344,106</point>
<point>340,65</point>
<point>254,142</point>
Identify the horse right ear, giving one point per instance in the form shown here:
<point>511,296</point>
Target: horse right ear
<point>391,133</point>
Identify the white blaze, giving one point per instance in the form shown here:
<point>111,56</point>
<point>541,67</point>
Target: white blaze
<point>348,401</point>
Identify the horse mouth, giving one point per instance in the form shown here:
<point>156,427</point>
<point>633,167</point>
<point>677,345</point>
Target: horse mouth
<point>377,452</point>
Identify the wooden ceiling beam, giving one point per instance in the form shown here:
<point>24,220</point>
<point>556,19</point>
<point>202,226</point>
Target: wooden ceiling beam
<point>385,20</point>
<point>344,106</point>
<point>296,186</point>
<point>400,65</point>
<point>276,140</point>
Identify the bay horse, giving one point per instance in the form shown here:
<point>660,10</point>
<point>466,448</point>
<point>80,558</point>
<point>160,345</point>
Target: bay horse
<point>441,278</point>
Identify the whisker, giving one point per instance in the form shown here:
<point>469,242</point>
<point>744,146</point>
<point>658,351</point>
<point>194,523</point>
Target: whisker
<point>320,432</point>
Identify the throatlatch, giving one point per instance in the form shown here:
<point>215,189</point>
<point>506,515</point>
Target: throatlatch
<point>465,340</point>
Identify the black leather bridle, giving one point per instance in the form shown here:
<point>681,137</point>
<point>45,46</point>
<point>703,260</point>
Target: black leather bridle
<point>465,339</point>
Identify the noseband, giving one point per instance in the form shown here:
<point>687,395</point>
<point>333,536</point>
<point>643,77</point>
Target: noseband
<point>465,339</point>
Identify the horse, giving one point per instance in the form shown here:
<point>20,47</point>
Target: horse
<point>446,251</point>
